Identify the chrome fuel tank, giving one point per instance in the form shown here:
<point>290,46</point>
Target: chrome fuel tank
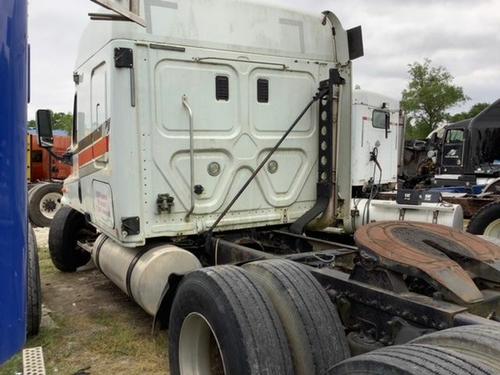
<point>142,273</point>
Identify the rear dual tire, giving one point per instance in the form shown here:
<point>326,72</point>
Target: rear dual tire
<point>413,359</point>
<point>481,342</point>
<point>269,317</point>
<point>467,350</point>
<point>222,323</point>
<point>313,327</point>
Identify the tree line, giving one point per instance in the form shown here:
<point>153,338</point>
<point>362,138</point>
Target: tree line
<point>60,121</point>
<point>429,96</point>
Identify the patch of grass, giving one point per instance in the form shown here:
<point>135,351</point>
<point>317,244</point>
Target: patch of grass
<point>13,366</point>
<point>109,341</point>
<point>46,266</point>
<point>119,336</point>
<point>46,338</point>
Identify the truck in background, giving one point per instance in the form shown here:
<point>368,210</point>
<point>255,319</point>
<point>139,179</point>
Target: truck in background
<point>376,133</point>
<point>462,162</point>
<point>469,169</point>
<point>45,176</point>
<point>468,153</point>
<point>377,148</point>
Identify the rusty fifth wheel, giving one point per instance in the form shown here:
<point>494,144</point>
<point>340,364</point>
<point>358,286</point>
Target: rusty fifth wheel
<point>445,257</point>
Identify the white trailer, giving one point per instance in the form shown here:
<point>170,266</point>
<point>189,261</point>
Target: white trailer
<point>212,160</point>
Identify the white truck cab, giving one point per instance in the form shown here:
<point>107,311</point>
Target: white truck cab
<point>375,125</point>
<point>172,119</point>
<point>377,141</point>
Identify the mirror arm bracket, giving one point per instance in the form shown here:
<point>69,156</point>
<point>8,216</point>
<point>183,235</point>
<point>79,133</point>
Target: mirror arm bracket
<point>66,158</point>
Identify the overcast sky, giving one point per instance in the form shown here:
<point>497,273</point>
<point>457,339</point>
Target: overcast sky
<point>463,35</point>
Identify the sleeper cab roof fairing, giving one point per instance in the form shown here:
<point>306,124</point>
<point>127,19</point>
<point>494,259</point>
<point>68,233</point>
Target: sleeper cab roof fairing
<point>242,27</point>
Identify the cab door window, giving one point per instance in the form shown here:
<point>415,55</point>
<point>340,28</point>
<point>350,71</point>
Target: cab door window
<point>380,119</point>
<point>454,136</point>
<point>99,91</point>
<point>453,148</point>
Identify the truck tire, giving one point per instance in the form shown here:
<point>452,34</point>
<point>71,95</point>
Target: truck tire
<point>44,201</point>
<point>493,187</point>
<point>221,322</point>
<point>486,221</point>
<point>66,229</point>
<point>31,187</point>
<point>311,322</point>
<point>412,359</point>
<point>482,342</point>
<point>34,305</point>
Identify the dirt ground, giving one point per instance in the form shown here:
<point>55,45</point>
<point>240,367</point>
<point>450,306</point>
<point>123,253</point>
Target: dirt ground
<point>91,327</point>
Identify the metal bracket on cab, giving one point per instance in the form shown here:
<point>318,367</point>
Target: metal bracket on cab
<point>124,58</point>
<point>131,226</point>
<point>164,203</point>
<point>328,124</point>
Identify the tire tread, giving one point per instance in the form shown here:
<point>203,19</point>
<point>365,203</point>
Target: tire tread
<point>483,217</point>
<point>262,347</point>
<point>315,317</point>
<point>62,240</point>
<point>413,359</point>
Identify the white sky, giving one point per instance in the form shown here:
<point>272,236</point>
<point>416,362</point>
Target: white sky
<point>463,35</point>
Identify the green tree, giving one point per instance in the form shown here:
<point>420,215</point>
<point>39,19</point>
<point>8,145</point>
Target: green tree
<point>473,112</point>
<point>60,121</point>
<point>428,97</point>
<point>63,121</point>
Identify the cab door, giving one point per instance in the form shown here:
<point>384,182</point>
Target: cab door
<point>384,140</point>
<point>452,154</point>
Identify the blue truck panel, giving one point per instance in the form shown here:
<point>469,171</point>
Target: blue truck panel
<point>13,215</point>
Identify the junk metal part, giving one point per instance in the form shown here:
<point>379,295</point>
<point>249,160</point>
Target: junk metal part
<point>434,252</point>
